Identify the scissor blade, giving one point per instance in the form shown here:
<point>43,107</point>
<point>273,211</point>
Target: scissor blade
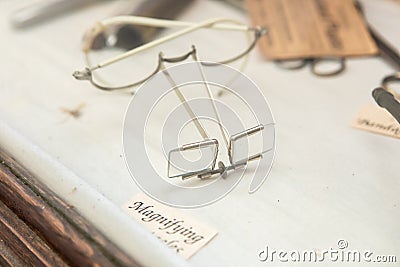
<point>387,51</point>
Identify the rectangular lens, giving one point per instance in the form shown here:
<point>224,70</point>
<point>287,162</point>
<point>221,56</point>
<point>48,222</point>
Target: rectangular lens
<point>192,159</point>
<point>251,144</point>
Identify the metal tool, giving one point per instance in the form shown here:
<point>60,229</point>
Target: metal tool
<point>386,50</point>
<point>385,96</point>
<point>336,65</point>
<point>128,36</point>
<point>386,100</point>
<point>44,10</point>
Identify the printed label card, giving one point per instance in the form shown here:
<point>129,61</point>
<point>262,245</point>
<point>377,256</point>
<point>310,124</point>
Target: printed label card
<point>178,231</point>
<point>376,120</point>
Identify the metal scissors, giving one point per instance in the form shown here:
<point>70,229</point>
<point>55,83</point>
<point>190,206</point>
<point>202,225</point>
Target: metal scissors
<point>337,65</point>
<point>386,50</point>
<point>323,67</point>
<point>386,96</point>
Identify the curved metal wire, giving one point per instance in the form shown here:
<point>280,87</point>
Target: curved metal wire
<point>296,64</point>
<point>341,63</point>
<point>387,80</point>
<point>88,73</point>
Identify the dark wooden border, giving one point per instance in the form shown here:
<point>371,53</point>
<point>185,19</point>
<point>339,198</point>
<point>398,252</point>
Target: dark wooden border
<point>45,230</point>
<point>20,246</point>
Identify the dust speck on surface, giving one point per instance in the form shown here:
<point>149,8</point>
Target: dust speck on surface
<point>73,112</point>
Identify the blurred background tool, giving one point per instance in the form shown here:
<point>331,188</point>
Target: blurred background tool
<point>44,10</point>
<point>236,4</point>
<point>386,100</point>
<point>387,95</point>
<point>322,67</point>
<point>385,49</point>
<point>131,36</point>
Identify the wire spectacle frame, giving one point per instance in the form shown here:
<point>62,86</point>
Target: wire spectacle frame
<point>210,169</point>
<point>208,143</point>
<point>254,33</point>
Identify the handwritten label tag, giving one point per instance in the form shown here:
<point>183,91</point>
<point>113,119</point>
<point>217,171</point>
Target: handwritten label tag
<point>311,28</point>
<point>178,231</point>
<point>377,120</point>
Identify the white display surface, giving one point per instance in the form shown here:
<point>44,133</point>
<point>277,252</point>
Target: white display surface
<point>328,182</point>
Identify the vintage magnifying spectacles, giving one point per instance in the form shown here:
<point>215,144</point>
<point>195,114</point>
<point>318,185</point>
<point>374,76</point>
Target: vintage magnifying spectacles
<point>238,153</point>
<point>106,75</point>
<point>131,68</point>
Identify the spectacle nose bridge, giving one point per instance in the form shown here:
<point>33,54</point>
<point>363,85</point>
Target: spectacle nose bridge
<point>83,75</point>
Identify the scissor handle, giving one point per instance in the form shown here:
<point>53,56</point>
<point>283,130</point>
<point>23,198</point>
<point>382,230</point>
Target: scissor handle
<point>386,99</point>
<point>390,79</point>
<point>291,64</point>
<point>340,63</point>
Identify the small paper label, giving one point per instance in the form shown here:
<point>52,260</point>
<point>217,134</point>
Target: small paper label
<point>377,120</point>
<point>311,28</point>
<point>178,231</point>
